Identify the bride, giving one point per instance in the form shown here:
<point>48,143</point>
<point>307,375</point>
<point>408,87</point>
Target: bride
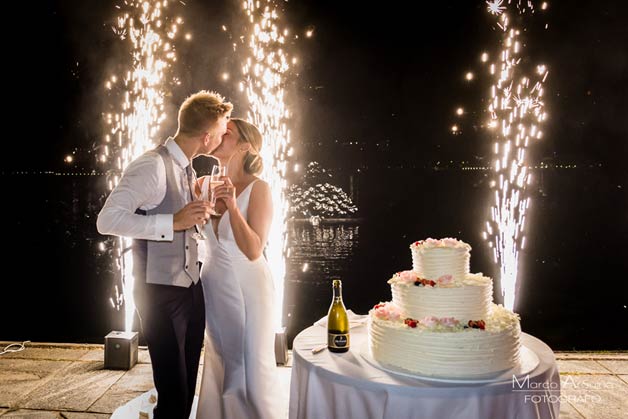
<point>239,371</point>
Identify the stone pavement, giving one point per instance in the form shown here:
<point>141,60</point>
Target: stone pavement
<point>47,381</point>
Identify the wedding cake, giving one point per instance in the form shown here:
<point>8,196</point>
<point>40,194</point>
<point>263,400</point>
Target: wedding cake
<point>442,321</point>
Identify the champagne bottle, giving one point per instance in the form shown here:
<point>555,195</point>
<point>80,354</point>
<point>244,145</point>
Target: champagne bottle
<point>337,322</point>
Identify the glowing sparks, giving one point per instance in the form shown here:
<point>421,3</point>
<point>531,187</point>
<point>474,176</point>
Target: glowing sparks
<point>516,107</point>
<point>133,126</point>
<point>484,57</point>
<point>495,7</point>
<point>468,76</point>
<point>68,159</point>
<point>225,76</point>
<point>459,111</point>
<point>263,83</point>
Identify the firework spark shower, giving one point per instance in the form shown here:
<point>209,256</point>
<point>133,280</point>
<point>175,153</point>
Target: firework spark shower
<point>517,113</point>
<point>149,31</point>
<point>264,71</point>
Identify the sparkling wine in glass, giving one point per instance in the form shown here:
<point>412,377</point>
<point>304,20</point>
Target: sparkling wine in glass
<point>218,171</point>
<point>204,196</point>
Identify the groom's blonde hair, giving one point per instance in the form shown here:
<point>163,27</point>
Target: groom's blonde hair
<point>200,111</point>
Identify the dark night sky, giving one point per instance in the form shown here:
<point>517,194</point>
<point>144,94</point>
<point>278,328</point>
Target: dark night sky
<point>373,74</point>
<point>383,73</point>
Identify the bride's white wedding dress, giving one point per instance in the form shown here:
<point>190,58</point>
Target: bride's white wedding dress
<point>239,369</point>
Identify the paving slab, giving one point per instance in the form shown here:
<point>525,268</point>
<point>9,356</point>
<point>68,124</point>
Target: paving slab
<point>69,381</point>
<point>31,414</point>
<point>596,396</point>
<point>615,366</point>
<point>19,377</point>
<point>567,411</point>
<point>622,355</point>
<point>110,401</point>
<point>74,388</point>
<point>94,355</point>
<point>143,357</point>
<point>138,378</point>
<point>80,415</point>
<point>581,367</point>
<point>44,351</point>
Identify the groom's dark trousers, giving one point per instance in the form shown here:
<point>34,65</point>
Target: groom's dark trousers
<point>173,324</point>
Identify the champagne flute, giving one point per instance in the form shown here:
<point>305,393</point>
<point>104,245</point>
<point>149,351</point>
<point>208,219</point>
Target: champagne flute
<point>215,180</point>
<point>199,235</point>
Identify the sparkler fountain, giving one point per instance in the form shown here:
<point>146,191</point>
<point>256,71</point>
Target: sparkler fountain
<point>264,77</point>
<point>133,127</point>
<point>517,112</point>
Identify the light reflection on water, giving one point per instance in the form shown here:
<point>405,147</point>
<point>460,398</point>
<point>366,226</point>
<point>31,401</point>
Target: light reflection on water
<point>316,255</point>
<point>75,277</point>
<point>322,249</point>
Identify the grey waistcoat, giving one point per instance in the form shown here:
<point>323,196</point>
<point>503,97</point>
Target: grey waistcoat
<point>163,262</point>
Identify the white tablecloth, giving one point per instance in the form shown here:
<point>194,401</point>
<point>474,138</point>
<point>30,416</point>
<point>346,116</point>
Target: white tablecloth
<point>345,386</point>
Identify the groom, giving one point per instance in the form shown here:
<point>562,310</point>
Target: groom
<point>154,204</point>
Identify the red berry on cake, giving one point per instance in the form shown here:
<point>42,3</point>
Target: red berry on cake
<point>411,322</point>
<point>477,324</point>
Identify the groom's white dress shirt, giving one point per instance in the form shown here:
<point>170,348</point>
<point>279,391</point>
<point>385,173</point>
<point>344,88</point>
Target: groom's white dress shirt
<point>143,186</point>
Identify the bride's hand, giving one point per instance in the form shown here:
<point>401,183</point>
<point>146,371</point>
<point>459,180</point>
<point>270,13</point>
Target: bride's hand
<point>226,192</point>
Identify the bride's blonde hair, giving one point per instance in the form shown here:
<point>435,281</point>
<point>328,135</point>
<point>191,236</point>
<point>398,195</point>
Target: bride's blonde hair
<point>249,133</point>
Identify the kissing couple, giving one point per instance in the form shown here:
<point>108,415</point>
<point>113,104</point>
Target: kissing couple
<point>225,297</point>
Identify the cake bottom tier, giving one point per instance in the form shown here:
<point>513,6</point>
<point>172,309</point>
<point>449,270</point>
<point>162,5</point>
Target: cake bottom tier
<point>467,353</point>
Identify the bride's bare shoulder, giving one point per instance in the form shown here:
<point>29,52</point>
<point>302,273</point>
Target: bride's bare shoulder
<point>260,187</point>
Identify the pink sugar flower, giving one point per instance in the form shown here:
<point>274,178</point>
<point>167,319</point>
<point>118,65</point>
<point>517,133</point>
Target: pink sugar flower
<point>449,322</point>
<point>448,241</point>
<point>407,277</point>
<point>382,312</point>
<point>387,311</point>
<point>445,280</point>
<point>394,314</point>
<point>429,321</point>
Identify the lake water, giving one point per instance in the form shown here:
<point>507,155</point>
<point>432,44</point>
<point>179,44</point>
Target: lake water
<point>573,272</point>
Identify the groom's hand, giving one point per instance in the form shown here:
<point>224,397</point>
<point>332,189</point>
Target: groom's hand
<point>196,212</point>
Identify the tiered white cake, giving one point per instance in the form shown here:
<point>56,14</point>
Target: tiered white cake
<point>442,321</point>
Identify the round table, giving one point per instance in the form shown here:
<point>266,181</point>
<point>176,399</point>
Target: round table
<point>328,385</point>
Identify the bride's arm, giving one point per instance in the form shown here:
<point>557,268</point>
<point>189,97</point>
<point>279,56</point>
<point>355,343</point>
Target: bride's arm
<point>251,236</point>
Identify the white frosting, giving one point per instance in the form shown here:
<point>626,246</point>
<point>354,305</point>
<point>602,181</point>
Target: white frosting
<point>449,352</point>
<point>464,300</point>
<point>431,262</point>
<point>425,330</point>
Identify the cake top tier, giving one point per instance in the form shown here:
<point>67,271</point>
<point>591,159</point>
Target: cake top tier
<point>447,242</point>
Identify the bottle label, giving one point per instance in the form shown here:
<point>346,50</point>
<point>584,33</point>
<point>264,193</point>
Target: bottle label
<point>340,340</point>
